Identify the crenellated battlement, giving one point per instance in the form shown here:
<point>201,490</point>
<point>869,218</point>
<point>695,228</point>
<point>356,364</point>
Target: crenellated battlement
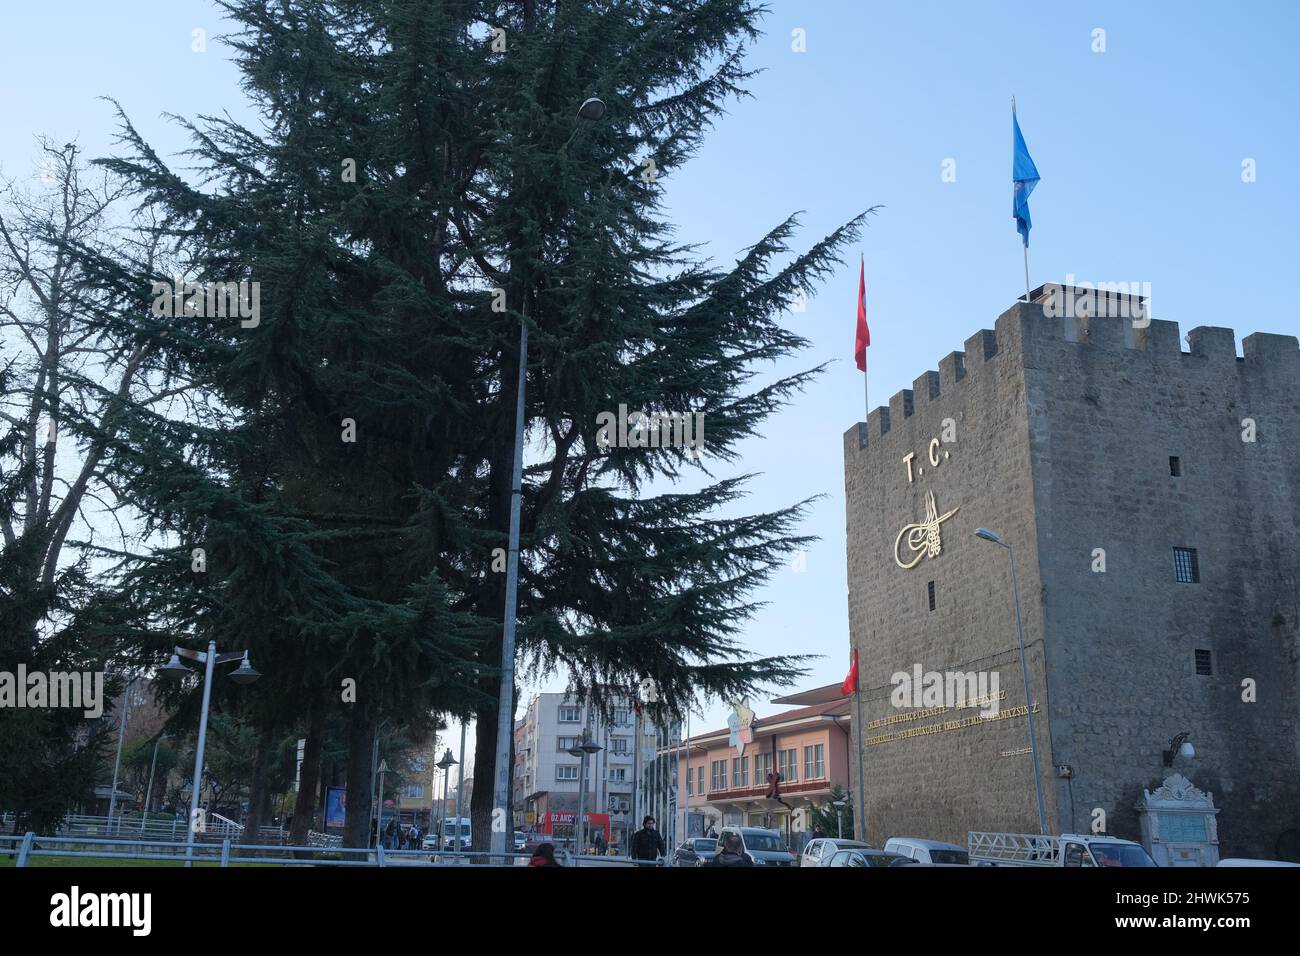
<point>1040,329</point>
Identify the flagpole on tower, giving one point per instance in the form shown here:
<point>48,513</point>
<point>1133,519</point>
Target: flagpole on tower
<point>1024,177</point>
<point>1024,245</point>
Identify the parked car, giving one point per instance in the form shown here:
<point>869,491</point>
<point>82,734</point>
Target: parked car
<point>696,851</point>
<point>521,840</point>
<point>430,842</point>
<point>765,847</point>
<point>867,857</point>
<point>1243,861</point>
<point>927,851</point>
<point>821,846</point>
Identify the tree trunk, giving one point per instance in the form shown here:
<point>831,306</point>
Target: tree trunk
<point>361,741</point>
<point>305,807</point>
<point>257,787</point>
<point>485,761</point>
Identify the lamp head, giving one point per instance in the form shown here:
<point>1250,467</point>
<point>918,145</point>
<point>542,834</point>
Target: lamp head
<point>244,674</point>
<point>592,109</point>
<point>174,669</point>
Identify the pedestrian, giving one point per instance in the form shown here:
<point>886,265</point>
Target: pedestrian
<point>732,852</point>
<point>647,844</point>
<point>599,843</point>
<point>388,834</point>
<point>544,855</point>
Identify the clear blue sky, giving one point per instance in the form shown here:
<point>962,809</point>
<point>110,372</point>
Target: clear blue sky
<point>1140,151</point>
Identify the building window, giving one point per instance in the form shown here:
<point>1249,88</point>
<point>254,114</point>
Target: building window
<point>1175,466</point>
<point>930,590</point>
<point>1186,568</point>
<point>618,774</point>
<point>762,767</point>
<point>718,771</point>
<point>568,743</point>
<point>814,762</point>
<point>740,771</point>
<point>413,791</point>
<point>620,745</point>
<point>570,714</point>
<point>787,765</point>
<point>566,773</point>
<point>701,778</point>
<point>622,717</point>
<point>1204,666</point>
<point>690,783</point>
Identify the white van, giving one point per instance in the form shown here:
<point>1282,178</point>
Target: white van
<point>456,834</point>
<point>927,851</point>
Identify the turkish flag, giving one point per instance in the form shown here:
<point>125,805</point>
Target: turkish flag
<point>850,684</point>
<point>864,334</point>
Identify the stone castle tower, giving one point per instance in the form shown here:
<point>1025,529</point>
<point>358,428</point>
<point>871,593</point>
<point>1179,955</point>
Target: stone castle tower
<point>1152,498</point>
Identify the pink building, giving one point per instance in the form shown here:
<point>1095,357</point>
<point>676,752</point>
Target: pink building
<point>728,785</point>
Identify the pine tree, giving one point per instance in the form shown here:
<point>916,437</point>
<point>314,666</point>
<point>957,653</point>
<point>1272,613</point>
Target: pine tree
<point>391,302</point>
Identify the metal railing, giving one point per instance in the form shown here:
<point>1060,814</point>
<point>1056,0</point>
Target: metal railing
<point>165,828</point>
<point>227,852</point>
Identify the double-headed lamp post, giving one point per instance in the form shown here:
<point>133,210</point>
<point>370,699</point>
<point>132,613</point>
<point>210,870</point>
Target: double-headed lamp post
<point>992,536</point>
<point>591,110</point>
<point>581,750</point>
<point>175,670</point>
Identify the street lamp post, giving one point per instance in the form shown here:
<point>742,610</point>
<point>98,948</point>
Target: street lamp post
<point>460,780</point>
<point>148,793</point>
<point>382,772</point>
<point>591,110</point>
<point>587,746</point>
<point>445,765</point>
<point>988,535</point>
<point>117,763</point>
<point>244,674</point>
<point>839,816</point>
<point>374,777</point>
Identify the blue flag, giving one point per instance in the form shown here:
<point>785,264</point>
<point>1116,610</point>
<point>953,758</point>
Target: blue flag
<point>1024,177</point>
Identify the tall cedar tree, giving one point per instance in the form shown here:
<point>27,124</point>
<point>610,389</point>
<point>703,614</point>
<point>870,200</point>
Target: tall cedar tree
<point>393,299</point>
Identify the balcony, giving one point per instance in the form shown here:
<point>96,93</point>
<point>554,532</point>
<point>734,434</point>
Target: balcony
<point>787,789</point>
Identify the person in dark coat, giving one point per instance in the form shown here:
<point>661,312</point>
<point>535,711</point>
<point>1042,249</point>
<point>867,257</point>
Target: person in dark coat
<point>544,855</point>
<point>732,853</point>
<point>646,843</point>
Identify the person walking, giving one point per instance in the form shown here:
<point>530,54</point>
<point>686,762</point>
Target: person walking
<point>732,852</point>
<point>599,843</point>
<point>647,845</point>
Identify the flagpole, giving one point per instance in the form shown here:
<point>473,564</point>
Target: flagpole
<point>866,392</point>
<point>1026,273</point>
<point>1013,153</point>
<point>861,833</point>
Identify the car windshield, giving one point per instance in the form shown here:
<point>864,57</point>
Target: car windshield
<point>882,859</point>
<point>706,846</point>
<point>950,856</point>
<point>763,841</point>
<point>1121,854</point>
